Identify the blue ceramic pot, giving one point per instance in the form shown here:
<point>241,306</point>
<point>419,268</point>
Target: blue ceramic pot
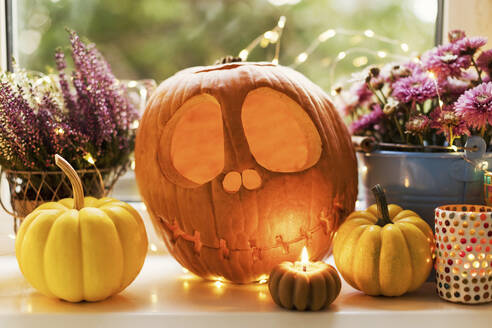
<point>422,181</point>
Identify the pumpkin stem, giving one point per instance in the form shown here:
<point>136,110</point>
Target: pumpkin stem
<point>78,190</point>
<point>228,59</point>
<point>383,213</point>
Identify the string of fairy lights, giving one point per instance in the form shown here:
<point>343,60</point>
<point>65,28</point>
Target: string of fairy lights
<point>273,37</point>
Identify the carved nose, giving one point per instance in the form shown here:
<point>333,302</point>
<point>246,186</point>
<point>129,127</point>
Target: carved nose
<point>233,180</point>
<point>251,179</point>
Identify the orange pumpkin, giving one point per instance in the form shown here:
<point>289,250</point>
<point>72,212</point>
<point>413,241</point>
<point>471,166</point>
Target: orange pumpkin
<point>242,164</point>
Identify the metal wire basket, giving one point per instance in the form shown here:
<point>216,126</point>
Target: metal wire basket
<point>29,189</point>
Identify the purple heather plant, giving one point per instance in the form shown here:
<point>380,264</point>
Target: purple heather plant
<point>87,114</point>
<point>439,99</point>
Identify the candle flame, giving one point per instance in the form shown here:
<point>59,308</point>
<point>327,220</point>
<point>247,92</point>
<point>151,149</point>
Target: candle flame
<point>304,256</point>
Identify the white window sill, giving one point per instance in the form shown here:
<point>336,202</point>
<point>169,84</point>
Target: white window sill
<point>164,296</point>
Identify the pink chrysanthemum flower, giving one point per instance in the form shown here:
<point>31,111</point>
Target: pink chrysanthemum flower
<point>445,60</point>
<point>414,88</point>
<point>484,61</point>
<point>447,121</point>
<point>468,46</point>
<point>451,88</point>
<point>417,125</point>
<point>475,106</point>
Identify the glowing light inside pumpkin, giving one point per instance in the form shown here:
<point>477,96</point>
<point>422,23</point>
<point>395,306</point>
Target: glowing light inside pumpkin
<point>251,179</point>
<point>232,181</point>
<point>218,284</point>
<point>285,140</point>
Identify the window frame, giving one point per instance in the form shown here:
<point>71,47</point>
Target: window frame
<point>8,11</point>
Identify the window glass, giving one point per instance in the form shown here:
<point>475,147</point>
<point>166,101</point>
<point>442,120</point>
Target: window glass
<point>155,38</point>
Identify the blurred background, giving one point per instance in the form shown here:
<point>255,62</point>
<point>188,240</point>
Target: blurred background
<point>155,38</point>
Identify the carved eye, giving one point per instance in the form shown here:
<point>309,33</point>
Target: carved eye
<point>193,142</point>
<point>280,134</point>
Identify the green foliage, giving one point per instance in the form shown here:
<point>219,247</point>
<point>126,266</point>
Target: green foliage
<point>156,38</point>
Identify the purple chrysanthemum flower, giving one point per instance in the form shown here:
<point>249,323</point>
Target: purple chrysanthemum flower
<point>475,106</point>
<point>484,61</point>
<point>367,121</point>
<point>468,46</point>
<point>414,88</point>
<point>445,61</point>
<point>417,125</point>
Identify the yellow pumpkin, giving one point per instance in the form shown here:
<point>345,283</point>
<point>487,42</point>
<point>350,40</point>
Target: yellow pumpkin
<point>81,248</point>
<point>384,250</point>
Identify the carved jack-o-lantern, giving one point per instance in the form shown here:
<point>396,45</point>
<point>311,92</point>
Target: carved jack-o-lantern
<point>241,165</point>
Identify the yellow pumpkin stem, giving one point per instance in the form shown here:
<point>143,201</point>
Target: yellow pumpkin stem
<point>78,190</point>
<point>383,213</point>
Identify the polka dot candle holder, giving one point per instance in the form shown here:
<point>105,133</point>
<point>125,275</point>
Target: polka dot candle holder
<point>464,257</point>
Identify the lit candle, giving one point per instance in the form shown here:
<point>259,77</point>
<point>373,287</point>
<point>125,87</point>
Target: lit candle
<point>304,285</point>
